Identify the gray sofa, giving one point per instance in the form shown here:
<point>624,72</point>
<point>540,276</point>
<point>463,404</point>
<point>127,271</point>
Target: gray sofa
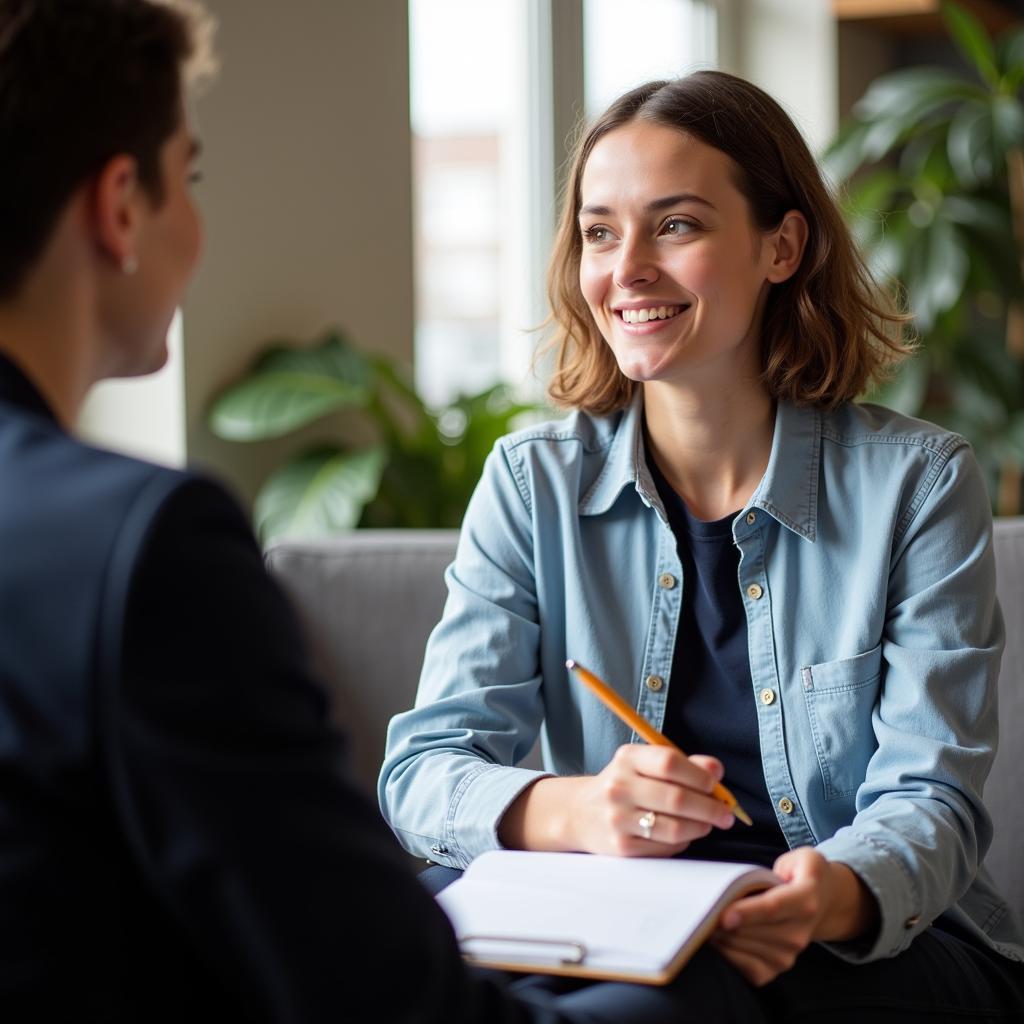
<point>368,599</point>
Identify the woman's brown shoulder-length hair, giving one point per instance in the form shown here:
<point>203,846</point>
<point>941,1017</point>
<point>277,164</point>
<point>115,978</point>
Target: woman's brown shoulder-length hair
<point>827,332</point>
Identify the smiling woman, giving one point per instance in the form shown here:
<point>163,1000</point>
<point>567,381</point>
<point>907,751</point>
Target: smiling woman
<point>826,330</point>
<point>763,568</point>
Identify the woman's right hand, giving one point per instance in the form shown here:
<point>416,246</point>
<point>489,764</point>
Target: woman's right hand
<point>602,813</point>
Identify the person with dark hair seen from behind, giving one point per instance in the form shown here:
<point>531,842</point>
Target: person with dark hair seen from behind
<point>178,837</point>
<point>797,588</point>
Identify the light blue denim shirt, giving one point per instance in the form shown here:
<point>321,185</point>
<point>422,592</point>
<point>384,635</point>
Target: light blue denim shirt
<point>868,580</point>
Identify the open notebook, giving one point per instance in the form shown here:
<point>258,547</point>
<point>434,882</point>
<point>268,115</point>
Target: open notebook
<point>631,919</point>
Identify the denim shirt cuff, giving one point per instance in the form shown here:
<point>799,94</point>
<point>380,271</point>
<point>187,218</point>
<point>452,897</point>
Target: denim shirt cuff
<point>896,891</point>
<point>477,807</point>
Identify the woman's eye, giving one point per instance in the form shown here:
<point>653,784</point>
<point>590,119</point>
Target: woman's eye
<point>596,234</point>
<point>678,226</point>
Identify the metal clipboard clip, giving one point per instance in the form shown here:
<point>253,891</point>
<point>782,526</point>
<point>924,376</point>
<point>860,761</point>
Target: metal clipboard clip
<point>561,951</point>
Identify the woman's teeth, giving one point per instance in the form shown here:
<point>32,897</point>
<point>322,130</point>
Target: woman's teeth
<point>641,316</point>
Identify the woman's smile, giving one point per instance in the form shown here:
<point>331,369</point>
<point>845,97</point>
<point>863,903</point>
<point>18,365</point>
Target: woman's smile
<point>654,315</point>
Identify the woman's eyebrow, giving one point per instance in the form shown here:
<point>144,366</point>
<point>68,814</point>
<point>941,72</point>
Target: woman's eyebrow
<point>683,197</point>
<point>653,206</point>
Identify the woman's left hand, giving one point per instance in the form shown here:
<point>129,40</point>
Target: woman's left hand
<point>819,900</point>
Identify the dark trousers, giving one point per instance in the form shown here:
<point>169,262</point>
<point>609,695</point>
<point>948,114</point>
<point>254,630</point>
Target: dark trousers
<point>943,976</point>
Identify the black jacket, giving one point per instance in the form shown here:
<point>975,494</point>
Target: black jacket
<point>178,839</point>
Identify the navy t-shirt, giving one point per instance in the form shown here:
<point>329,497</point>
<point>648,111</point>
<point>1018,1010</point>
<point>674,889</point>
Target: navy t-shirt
<point>711,705</point>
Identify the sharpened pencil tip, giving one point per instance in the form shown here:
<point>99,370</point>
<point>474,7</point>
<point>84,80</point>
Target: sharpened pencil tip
<point>742,815</point>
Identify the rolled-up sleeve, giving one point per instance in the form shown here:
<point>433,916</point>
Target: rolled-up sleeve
<point>921,828</point>
<point>449,770</point>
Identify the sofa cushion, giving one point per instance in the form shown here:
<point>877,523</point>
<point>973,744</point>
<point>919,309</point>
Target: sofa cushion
<point>1004,793</point>
<point>368,601</point>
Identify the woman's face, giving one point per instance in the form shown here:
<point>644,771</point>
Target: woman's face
<point>673,269</point>
<point>169,243</point>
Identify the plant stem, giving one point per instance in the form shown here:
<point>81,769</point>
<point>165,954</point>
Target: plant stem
<point>1008,498</point>
<point>1015,316</point>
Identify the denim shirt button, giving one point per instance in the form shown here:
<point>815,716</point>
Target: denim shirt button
<point>786,805</point>
<point>667,580</point>
<point>754,591</point>
<point>655,683</point>
<point>751,518</point>
<point>439,848</point>
<point>767,696</point>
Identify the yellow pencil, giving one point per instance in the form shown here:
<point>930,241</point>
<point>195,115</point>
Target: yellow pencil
<point>615,703</point>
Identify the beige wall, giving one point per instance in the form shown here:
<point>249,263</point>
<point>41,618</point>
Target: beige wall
<point>789,48</point>
<point>306,193</point>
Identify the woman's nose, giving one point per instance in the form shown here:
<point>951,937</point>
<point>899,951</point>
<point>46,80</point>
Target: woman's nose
<point>635,265</point>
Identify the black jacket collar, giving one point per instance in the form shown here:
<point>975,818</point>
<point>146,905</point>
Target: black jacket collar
<point>17,389</point>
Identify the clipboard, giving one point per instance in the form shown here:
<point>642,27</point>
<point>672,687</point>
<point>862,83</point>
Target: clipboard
<point>588,916</point>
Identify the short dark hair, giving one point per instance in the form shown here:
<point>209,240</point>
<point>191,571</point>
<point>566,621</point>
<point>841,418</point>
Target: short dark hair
<point>827,331</point>
<point>80,82</point>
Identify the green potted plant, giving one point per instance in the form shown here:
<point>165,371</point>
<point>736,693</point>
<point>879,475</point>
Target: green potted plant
<point>933,164</point>
<point>418,470</point>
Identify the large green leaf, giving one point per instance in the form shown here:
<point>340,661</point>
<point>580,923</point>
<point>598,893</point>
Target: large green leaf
<point>969,144</point>
<point>289,387</point>
<point>897,106</point>
<point>924,160</point>
<point>319,493</point>
<point>973,41</point>
<point>1007,122</point>
<point>910,94</point>
<point>946,265</point>
<point>881,136</point>
<point>936,270</point>
<point>1010,48</point>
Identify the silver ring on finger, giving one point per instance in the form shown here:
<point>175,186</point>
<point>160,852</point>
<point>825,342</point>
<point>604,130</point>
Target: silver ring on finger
<point>646,823</point>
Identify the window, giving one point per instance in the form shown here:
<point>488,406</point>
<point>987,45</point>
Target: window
<point>486,79</point>
<point>627,44</point>
<point>462,104</point>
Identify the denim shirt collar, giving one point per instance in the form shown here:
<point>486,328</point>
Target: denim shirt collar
<point>788,491</point>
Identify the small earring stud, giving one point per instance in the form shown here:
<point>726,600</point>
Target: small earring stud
<point>129,265</point>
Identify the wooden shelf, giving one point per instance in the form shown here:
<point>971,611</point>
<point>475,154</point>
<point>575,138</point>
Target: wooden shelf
<point>919,17</point>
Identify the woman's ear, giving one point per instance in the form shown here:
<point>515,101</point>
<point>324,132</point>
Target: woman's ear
<point>789,240</point>
<point>115,212</point>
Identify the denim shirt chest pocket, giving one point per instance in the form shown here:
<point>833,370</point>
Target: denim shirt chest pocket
<point>840,696</point>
